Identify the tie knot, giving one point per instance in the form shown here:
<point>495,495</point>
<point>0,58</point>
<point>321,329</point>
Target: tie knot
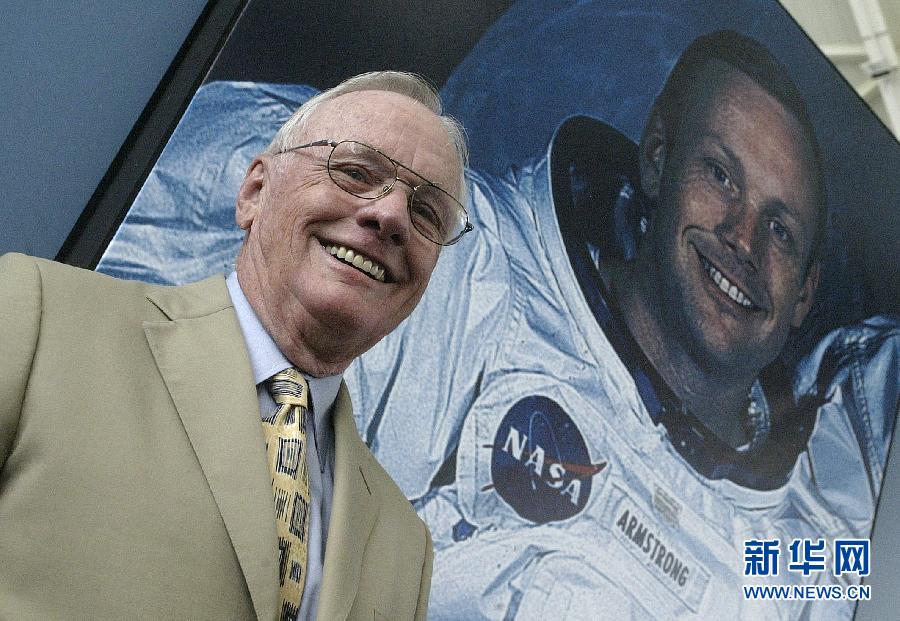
<point>288,387</point>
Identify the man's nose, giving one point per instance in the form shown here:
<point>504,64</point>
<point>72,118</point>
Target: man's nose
<point>739,232</point>
<point>388,215</point>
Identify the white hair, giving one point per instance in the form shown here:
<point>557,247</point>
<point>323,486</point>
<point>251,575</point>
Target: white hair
<point>409,84</point>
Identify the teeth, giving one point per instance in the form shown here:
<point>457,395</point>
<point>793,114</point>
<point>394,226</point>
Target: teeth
<point>358,261</point>
<point>727,288</point>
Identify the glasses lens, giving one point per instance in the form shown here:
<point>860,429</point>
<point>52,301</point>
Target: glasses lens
<point>437,215</point>
<point>361,170</point>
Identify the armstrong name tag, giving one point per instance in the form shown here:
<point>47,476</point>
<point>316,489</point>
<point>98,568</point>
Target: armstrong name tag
<point>655,546</point>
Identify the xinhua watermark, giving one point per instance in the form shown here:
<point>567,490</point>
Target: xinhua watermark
<point>803,592</point>
<point>844,557</point>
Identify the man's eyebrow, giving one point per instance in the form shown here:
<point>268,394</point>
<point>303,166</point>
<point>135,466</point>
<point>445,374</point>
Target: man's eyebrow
<point>730,154</point>
<point>715,140</point>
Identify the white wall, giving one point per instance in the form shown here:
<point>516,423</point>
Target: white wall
<point>831,25</point>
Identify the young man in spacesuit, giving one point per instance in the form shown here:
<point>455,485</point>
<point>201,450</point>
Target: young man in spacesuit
<point>617,422</point>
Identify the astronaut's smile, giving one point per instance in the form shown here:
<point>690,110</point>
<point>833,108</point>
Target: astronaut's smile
<point>728,288</point>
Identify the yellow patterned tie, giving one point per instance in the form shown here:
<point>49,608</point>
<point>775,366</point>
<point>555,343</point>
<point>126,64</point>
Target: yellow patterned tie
<point>286,449</point>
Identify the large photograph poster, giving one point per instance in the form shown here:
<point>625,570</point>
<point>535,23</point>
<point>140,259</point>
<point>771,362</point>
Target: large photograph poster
<point>664,365</point>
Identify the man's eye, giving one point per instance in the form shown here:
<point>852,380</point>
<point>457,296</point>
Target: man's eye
<point>720,175</point>
<point>426,216</point>
<point>353,172</point>
<point>780,231</point>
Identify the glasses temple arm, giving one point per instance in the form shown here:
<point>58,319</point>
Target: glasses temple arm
<point>318,143</point>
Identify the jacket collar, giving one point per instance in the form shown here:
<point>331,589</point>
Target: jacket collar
<point>355,509</point>
<point>202,358</point>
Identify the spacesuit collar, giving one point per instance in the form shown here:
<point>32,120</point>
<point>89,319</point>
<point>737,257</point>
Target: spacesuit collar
<point>594,183</point>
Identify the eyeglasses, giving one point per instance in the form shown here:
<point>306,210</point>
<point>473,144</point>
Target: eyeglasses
<point>366,172</point>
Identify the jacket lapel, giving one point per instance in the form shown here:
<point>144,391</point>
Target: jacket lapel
<point>353,514</point>
<point>202,358</point>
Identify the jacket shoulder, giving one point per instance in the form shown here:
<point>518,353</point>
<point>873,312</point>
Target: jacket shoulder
<point>67,287</point>
<point>51,275</point>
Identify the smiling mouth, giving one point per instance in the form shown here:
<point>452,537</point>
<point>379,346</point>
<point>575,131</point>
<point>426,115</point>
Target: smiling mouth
<point>360,261</point>
<point>725,286</point>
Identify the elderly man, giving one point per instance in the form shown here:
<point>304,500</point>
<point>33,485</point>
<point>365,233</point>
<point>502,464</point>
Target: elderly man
<point>619,423</point>
<point>145,429</point>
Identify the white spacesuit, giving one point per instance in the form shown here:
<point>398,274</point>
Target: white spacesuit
<point>570,498</point>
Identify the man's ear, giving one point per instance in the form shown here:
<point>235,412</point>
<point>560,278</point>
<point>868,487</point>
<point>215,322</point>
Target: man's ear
<point>652,153</point>
<point>807,293</point>
<point>249,197</point>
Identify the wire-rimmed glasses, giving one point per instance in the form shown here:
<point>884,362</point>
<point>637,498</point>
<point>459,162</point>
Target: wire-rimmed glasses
<point>366,172</point>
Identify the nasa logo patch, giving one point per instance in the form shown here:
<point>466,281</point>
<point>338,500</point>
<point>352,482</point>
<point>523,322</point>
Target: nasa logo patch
<point>540,464</point>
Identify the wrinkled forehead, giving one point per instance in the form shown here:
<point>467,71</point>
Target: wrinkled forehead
<point>401,127</point>
<point>725,94</point>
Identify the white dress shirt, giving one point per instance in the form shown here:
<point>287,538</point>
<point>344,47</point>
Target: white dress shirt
<point>266,360</point>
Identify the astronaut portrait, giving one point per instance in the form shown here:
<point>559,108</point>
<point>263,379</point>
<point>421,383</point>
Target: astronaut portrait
<point>664,337</point>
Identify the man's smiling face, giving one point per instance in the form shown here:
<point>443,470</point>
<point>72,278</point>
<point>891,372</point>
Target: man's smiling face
<point>302,227</point>
<point>735,222</point>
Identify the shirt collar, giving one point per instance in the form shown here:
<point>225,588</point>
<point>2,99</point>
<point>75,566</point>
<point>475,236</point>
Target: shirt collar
<point>266,359</point>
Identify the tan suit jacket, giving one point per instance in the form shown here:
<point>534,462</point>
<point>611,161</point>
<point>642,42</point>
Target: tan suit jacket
<point>133,480</point>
